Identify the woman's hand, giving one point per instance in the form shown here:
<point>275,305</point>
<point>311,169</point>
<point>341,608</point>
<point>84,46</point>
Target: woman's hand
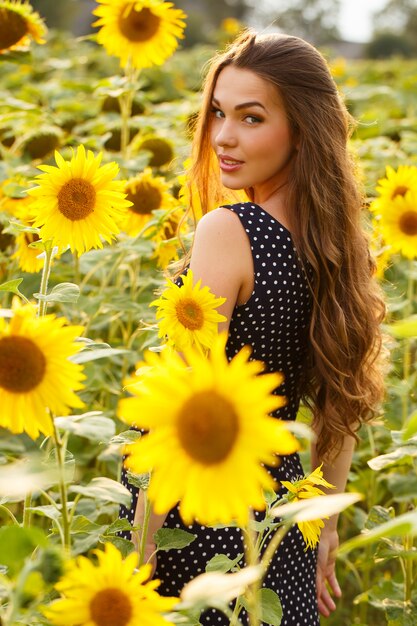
<point>326,576</point>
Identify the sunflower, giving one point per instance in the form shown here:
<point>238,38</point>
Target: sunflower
<point>165,237</point>
<point>141,32</point>
<point>12,198</point>
<point>19,22</point>
<point>36,375</point>
<point>207,443</point>
<point>188,314</point>
<point>109,593</point>
<point>78,203</point>
<point>161,150</point>
<point>398,223</point>
<point>146,193</point>
<point>308,487</point>
<point>381,252</point>
<point>397,182</point>
<point>42,142</point>
<point>28,258</point>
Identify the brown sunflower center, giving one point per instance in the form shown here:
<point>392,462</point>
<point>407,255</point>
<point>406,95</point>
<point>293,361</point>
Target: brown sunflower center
<point>76,199</point>
<point>139,25</point>
<point>31,238</point>
<point>145,199</point>
<point>189,313</point>
<point>13,27</point>
<point>110,607</point>
<point>401,190</point>
<point>22,364</point>
<point>408,223</point>
<point>169,229</point>
<point>160,150</point>
<point>208,427</point>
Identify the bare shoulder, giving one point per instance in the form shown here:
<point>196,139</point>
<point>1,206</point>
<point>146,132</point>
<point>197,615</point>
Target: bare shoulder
<point>221,256</point>
<point>220,223</point>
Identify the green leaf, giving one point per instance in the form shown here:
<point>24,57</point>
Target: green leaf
<point>126,437</point>
<point>64,292</point>
<point>93,426</point>
<point>81,524</point>
<point>48,510</point>
<point>92,355</point>
<point>118,526</point>
<point>141,481</point>
<point>401,456</point>
<point>104,489</point>
<point>222,563</point>
<point>402,486</point>
<point>271,610</point>
<point>410,427</point>
<point>315,508</point>
<point>378,515</point>
<point>17,544</point>
<point>172,539</point>
<point>124,546</point>
<point>12,286</point>
<point>403,525</point>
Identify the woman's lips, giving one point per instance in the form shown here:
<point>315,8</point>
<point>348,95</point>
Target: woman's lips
<point>229,164</point>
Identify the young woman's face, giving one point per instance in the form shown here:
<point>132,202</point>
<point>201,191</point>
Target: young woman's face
<point>250,132</point>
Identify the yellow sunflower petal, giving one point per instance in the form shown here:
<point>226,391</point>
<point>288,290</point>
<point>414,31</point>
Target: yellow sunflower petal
<point>187,315</point>
<point>110,592</point>
<point>77,203</point>
<point>33,353</point>
<point>18,23</point>
<point>142,32</point>
<point>215,441</point>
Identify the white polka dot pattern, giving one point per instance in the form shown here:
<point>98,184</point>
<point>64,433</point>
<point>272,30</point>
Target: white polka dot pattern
<point>274,322</point>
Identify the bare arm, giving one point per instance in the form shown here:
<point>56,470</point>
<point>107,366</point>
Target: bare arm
<point>335,473</point>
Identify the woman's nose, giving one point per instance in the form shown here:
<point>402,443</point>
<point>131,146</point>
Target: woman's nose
<point>226,135</point>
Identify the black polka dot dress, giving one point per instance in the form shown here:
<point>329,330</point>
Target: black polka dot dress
<point>274,321</point>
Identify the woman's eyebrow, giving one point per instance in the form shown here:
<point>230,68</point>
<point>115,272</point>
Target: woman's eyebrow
<point>244,105</point>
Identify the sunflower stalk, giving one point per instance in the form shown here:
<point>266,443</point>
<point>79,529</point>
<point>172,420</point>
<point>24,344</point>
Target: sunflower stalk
<point>125,102</point>
<point>252,559</point>
<point>145,527</point>
<point>60,452</point>
<point>10,514</point>
<point>273,546</point>
<point>45,278</point>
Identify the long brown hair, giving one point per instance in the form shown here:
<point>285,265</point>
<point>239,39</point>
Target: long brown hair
<point>343,384</point>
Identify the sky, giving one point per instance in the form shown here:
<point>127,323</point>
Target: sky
<point>355,21</point>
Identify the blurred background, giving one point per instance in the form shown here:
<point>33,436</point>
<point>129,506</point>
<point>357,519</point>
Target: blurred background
<point>352,28</point>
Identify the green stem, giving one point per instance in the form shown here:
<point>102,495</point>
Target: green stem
<point>145,528</point>
<point>10,514</point>
<point>408,580</point>
<point>62,488</point>
<point>272,546</point>
<point>77,276</point>
<point>45,278</point>
<point>26,513</point>
<point>74,506</point>
<point>126,101</point>
<point>252,592</point>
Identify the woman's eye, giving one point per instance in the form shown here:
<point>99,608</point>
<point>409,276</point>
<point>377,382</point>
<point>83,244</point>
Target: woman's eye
<point>217,112</point>
<point>252,119</point>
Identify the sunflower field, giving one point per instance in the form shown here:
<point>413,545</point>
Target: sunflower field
<point>94,148</point>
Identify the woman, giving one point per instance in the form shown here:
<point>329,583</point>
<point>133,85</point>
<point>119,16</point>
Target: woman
<point>294,267</point>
